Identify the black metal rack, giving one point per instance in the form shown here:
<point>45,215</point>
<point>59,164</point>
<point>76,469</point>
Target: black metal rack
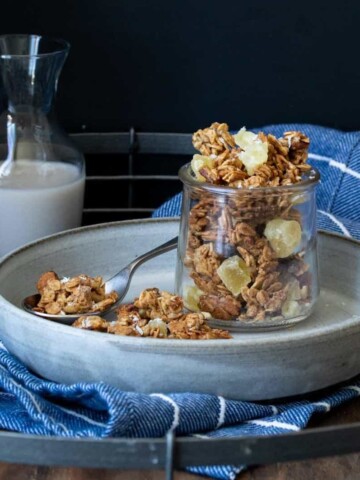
<point>178,453</point>
<point>130,173</point>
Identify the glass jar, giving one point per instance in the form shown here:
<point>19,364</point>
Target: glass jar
<point>248,256</point>
<point>42,173</point>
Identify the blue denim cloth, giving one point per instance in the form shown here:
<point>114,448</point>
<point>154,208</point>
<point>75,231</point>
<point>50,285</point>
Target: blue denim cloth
<point>32,405</point>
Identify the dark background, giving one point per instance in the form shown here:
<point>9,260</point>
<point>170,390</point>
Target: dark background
<point>176,66</point>
<point>170,65</point>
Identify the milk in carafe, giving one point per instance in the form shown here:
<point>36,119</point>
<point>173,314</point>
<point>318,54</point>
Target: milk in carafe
<point>38,199</point>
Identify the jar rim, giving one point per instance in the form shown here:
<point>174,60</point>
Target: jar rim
<point>54,45</point>
<point>310,180</point>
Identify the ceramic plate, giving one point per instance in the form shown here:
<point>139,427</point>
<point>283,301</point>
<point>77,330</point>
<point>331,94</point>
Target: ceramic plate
<point>321,351</point>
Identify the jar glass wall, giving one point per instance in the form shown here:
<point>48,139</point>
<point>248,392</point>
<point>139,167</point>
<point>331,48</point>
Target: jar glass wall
<point>248,256</point>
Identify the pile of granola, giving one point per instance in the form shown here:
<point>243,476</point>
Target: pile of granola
<point>244,248</point>
<point>248,159</point>
<point>81,294</point>
<point>156,314</point>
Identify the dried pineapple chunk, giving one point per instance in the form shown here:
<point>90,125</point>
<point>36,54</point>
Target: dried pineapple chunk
<point>254,156</point>
<point>255,151</point>
<point>244,138</point>
<point>290,309</point>
<point>234,274</point>
<point>284,236</point>
<point>294,292</point>
<point>200,161</point>
<point>158,324</point>
<point>191,297</point>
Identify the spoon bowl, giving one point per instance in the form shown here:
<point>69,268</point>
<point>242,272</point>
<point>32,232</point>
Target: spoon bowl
<point>119,283</point>
<point>31,302</point>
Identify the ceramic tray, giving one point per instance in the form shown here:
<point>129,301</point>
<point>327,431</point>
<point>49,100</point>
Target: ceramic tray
<point>321,351</point>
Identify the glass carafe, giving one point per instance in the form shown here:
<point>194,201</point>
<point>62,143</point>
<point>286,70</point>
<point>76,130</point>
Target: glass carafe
<point>42,173</point>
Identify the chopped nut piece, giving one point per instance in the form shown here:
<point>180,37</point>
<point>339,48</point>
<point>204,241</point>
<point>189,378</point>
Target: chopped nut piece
<point>221,307</point>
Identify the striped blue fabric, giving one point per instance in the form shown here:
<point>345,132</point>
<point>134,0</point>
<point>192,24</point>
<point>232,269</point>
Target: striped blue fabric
<point>32,405</point>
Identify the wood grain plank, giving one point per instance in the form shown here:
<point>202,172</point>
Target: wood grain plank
<point>21,472</point>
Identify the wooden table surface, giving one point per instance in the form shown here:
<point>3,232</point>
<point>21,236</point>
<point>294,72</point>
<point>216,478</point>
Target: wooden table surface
<point>346,467</point>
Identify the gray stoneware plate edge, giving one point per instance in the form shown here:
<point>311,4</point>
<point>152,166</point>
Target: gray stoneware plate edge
<point>256,337</point>
<point>245,348</point>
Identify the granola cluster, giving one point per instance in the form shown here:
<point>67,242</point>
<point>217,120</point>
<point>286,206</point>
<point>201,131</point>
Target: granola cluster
<point>81,294</point>
<point>244,254</point>
<point>157,314</point>
<point>247,159</point>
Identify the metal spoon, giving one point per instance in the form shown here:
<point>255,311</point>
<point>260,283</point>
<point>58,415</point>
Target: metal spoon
<point>120,282</point>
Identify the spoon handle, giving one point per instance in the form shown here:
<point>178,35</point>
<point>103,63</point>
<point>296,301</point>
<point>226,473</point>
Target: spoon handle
<point>120,282</point>
<point>165,247</point>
